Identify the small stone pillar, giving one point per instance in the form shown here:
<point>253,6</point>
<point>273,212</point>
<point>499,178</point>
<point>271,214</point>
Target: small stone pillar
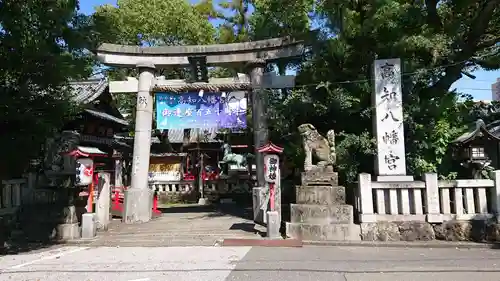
<point>118,172</point>
<point>260,131</point>
<point>138,198</point>
<point>88,226</point>
<point>103,203</point>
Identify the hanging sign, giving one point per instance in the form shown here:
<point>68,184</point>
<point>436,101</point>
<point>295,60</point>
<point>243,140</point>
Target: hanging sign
<point>200,110</point>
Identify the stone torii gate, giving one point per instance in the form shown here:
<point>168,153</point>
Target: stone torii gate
<point>255,55</point>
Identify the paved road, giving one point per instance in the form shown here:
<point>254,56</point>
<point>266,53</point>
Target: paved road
<point>252,264</point>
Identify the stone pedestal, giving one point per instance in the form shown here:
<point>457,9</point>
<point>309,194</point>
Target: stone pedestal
<point>69,229</point>
<point>138,205</point>
<point>273,225</point>
<point>321,212</point>
<point>89,226</point>
<point>203,201</point>
<point>103,203</point>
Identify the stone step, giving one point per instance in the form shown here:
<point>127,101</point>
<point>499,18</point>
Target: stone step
<point>320,195</point>
<point>323,232</point>
<point>321,214</point>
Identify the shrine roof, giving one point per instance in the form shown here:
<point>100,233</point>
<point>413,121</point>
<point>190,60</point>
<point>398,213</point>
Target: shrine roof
<point>87,91</point>
<point>491,130</point>
<point>106,116</point>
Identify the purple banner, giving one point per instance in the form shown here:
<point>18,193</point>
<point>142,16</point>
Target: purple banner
<point>192,110</point>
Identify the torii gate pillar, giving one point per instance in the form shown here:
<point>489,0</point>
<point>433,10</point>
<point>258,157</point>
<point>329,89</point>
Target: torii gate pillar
<point>259,116</point>
<point>139,197</point>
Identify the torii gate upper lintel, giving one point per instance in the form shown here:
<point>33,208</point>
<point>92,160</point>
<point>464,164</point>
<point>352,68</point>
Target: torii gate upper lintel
<point>216,55</point>
<point>147,59</point>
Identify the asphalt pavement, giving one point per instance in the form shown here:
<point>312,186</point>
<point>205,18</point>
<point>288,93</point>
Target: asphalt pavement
<point>77,263</point>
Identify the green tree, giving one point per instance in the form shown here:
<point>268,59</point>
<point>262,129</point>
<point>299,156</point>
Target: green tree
<point>43,46</point>
<point>153,23</point>
<point>436,40</point>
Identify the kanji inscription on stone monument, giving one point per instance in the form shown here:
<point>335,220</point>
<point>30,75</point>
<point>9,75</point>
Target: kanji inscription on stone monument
<point>389,118</point>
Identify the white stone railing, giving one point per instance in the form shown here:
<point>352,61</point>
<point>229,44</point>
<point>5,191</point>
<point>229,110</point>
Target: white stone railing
<point>181,187</point>
<point>212,188</point>
<point>431,200</point>
<point>11,195</point>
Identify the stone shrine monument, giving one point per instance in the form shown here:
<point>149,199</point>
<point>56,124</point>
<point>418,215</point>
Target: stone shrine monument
<point>388,126</point>
<point>321,212</point>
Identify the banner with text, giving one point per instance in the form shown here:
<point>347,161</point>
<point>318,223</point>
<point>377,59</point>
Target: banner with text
<point>192,111</point>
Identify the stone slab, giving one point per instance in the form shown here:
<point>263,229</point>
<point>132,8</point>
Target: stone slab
<point>320,195</point>
<point>319,177</point>
<point>395,178</point>
<point>68,231</point>
<point>259,204</point>
<point>321,214</point>
<point>273,225</point>
<point>323,232</point>
<point>290,243</point>
<point>89,226</point>
<point>103,204</point>
<point>138,205</point>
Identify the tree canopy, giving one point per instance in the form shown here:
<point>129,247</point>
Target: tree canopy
<point>42,47</point>
<point>438,42</point>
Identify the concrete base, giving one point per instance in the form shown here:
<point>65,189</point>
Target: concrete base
<point>273,225</point>
<point>395,178</point>
<point>138,205</point>
<point>68,231</point>
<point>203,201</point>
<point>89,226</point>
<point>323,232</point>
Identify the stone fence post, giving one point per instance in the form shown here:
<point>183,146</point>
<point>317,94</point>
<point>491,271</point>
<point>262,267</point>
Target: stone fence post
<point>366,213</point>
<point>103,201</point>
<point>496,194</point>
<point>432,198</point>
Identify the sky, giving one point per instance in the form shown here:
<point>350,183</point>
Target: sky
<point>479,88</point>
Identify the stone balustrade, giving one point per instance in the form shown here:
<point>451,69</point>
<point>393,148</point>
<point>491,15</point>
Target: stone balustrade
<point>430,200</point>
<point>183,191</point>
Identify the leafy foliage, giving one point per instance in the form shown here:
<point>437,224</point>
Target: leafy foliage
<point>436,41</point>
<point>42,47</point>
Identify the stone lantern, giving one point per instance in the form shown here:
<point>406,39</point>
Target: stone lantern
<point>272,177</point>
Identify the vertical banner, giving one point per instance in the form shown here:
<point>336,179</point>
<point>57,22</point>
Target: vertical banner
<point>194,111</point>
<point>388,122</point>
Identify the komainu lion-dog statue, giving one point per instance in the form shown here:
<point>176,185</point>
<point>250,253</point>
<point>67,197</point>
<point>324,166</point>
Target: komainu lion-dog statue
<point>319,147</point>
